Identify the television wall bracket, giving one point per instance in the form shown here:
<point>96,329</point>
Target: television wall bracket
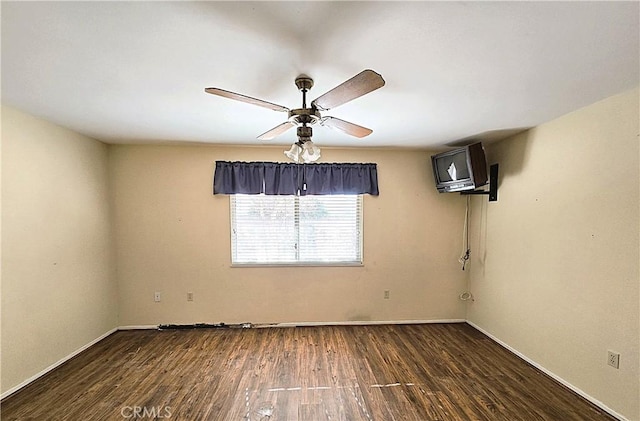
<point>493,185</point>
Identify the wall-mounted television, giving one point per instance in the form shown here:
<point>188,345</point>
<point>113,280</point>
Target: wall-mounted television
<point>460,169</point>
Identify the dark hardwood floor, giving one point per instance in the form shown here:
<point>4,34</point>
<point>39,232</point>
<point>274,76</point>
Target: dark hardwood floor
<point>390,372</point>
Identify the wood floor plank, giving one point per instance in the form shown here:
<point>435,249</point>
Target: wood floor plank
<point>438,372</point>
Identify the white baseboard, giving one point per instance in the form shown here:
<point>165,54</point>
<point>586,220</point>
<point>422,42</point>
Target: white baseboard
<point>138,327</point>
<point>311,324</point>
<point>56,364</point>
<point>360,323</point>
<point>551,374</point>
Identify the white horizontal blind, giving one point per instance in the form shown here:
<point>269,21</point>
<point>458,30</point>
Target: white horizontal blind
<point>296,229</point>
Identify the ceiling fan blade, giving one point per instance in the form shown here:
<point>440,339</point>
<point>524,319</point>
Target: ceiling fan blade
<point>361,84</point>
<point>247,99</point>
<point>277,131</point>
<point>345,126</point>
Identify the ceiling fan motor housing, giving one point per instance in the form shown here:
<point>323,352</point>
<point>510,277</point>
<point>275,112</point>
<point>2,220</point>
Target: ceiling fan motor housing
<point>304,115</point>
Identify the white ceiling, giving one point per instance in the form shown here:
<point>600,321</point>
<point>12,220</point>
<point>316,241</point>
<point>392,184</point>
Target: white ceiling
<point>135,72</point>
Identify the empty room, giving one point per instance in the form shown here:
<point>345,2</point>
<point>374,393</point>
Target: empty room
<point>320,211</point>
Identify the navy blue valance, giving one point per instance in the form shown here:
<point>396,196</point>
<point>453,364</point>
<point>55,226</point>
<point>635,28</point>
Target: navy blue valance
<point>275,178</point>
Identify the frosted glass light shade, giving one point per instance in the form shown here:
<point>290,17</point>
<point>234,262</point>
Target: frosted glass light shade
<point>310,152</point>
<point>294,152</point>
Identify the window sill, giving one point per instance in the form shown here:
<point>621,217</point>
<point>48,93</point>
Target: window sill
<point>301,264</point>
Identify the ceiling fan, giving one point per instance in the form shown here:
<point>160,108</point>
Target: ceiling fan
<point>306,116</point>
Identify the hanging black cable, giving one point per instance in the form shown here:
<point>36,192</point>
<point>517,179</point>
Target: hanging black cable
<point>464,258</point>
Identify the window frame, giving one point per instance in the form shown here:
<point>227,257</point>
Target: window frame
<point>297,262</point>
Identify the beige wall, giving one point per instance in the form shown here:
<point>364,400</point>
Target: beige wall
<point>173,236</point>
<point>58,291</point>
<point>555,265</point>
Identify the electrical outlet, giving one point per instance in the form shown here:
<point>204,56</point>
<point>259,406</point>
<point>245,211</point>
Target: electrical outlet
<point>613,359</point>
<point>386,294</point>
<point>156,297</point>
<point>189,296</point>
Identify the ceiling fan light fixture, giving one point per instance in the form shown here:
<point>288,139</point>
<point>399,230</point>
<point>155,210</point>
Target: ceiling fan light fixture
<point>303,152</point>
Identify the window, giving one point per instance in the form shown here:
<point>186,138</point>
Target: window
<point>290,230</point>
